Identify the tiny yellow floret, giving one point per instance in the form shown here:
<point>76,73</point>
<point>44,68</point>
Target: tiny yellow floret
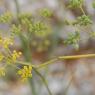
<point>2,72</point>
<point>25,72</point>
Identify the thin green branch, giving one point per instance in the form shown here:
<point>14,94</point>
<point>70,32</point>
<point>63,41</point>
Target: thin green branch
<point>77,56</point>
<point>56,59</point>
<point>33,88</point>
<point>44,80</point>
<point>70,81</point>
<point>47,63</point>
<point>17,7</point>
<point>67,88</point>
<point>82,10</point>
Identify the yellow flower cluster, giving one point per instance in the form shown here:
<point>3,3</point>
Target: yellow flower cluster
<point>5,42</point>
<point>11,57</point>
<point>25,72</point>
<point>1,57</point>
<point>15,55</point>
<point>2,71</point>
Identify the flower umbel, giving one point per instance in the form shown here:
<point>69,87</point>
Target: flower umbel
<point>25,72</point>
<point>15,55</point>
<point>84,20</point>
<point>73,39</point>
<point>6,17</point>
<point>75,3</point>
<point>46,13</point>
<point>6,42</point>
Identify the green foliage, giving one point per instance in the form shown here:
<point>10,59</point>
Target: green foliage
<point>15,29</point>
<point>75,3</point>
<point>46,13</point>
<point>6,17</point>
<point>83,20</point>
<point>41,30</point>
<point>27,28</point>
<point>93,4</point>
<point>92,34</point>
<point>35,33</point>
<point>73,39</point>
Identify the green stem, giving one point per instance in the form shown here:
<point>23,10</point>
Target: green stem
<point>17,7</point>
<point>44,80</point>
<point>56,59</point>
<point>70,81</point>
<point>77,56</point>
<point>66,90</point>
<point>26,49</point>
<point>82,10</point>
<point>31,81</point>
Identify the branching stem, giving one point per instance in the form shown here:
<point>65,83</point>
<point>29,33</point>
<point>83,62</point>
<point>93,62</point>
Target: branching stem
<point>56,59</point>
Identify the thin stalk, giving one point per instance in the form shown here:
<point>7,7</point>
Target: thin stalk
<point>56,59</point>
<point>82,10</point>
<point>77,56</point>
<point>31,81</point>
<point>70,82</point>
<point>17,7</point>
<point>67,88</point>
<point>47,63</point>
<point>26,49</point>
<point>33,86</point>
<point>44,80</point>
